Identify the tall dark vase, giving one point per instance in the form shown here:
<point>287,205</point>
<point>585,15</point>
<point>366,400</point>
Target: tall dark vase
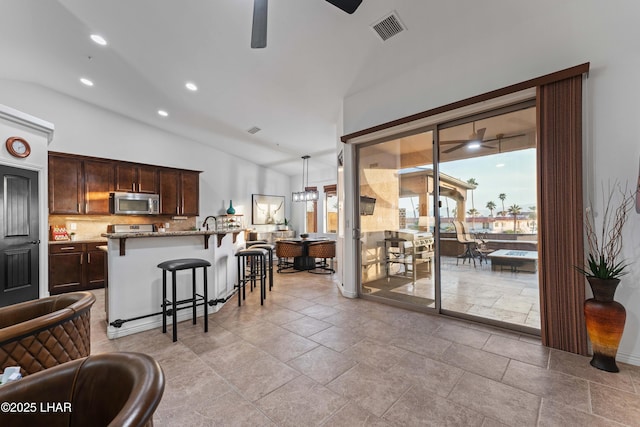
<point>605,320</point>
<point>231,210</point>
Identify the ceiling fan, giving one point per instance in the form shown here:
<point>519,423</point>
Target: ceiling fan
<point>259,28</point>
<point>475,140</point>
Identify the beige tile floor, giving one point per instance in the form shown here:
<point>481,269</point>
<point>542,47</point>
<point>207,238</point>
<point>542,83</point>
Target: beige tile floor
<point>310,357</point>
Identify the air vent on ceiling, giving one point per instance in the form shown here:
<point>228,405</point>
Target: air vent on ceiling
<point>254,130</point>
<point>388,26</point>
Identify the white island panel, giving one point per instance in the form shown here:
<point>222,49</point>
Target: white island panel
<point>135,281</point>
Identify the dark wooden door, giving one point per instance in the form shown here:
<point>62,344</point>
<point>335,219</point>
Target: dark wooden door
<point>94,267</point>
<point>169,192</point>
<point>19,245</point>
<point>125,177</point>
<point>98,181</point>
<point>136,178</point>
<point>65,272</point>
<point>190,191</point>
<point>66,189</point>
<point>147,179</point>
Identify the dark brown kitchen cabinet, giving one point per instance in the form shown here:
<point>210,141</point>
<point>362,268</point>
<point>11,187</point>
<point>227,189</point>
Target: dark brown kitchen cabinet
<point>98,183</point>
<point>190,193</point>
<point>75,267</point>
<point>179,192</point>
<point>79,186</point>
<point>95,266</point>
<point>136,178</point>
<point>66,188</point>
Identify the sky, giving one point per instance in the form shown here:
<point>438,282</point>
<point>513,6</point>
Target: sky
<point>516,178</point>
<point>512,173</point>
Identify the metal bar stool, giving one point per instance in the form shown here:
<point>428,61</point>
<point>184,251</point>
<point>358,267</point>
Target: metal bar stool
<point>173,266</point>
<point>252,267</point>
<point>269,248</point>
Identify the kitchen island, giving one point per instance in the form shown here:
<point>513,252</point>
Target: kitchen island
<point>134,290</point>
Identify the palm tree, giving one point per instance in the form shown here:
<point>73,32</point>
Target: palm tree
<point>533,216</point>
<point>473,212</point>
<point>502,196</point>
<point>491,206</point>
<point>472,181</point>
<point>515,211</point>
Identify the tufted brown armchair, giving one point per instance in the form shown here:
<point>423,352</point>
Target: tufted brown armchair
<point>42,333</point>
<point>108,389</point>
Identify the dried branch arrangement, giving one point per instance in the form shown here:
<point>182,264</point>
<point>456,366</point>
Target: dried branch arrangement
<point>605,242</point>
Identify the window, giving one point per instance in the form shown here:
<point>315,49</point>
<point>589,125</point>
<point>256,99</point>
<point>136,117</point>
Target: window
<point>311,213</point>
<point>330,209</point>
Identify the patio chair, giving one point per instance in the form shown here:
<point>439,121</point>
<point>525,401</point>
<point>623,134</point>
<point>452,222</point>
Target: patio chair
<point>469,244</point>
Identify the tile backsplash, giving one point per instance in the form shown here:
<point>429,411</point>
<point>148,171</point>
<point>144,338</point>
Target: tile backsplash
<point>89,227</point>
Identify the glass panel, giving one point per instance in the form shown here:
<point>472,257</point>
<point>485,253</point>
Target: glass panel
<point>130,205</point>
<point>488,228</point>
<point>331,216</point>
<point>396,204</point>
<point>311,217</point>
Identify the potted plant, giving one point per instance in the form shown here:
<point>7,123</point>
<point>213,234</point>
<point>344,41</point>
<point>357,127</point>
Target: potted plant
<point>72,236</point>
<point>284,226</point>
<point>605,318</point>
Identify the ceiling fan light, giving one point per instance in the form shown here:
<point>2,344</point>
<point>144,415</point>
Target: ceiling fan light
<point>473,145</point>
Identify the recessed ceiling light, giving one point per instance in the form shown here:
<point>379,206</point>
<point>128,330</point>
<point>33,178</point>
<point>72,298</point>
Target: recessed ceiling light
<point>86,81</point>
<point>500,165</point>
<point>163,113</point>
<point>98,39</point>
<point>191,86</point>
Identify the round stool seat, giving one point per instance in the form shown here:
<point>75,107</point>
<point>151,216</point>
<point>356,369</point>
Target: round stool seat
<point>267,246</point>
<point>183,264</point>
<point>251,251</point>
<point>254,242</point>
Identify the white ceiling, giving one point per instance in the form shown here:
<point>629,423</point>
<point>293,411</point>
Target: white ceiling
<point>316,55</point>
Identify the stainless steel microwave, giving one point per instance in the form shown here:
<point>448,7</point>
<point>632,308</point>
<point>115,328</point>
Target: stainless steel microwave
<point>134,204</point>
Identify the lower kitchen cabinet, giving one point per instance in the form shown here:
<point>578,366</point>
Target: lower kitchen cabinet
<point>75,267</point>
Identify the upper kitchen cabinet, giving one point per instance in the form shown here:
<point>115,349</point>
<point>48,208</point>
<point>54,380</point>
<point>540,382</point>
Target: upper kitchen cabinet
<point>79,186</point>
<point>179,192</point>
<point>66,185</point>
<point>98,183</point>
<point>136,178</point>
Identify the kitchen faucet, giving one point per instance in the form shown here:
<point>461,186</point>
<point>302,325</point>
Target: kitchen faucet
<point>204,223</point>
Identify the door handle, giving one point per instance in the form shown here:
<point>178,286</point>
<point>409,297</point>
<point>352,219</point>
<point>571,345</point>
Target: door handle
<point>35,242</point>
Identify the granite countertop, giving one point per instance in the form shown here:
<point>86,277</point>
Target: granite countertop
<point>67,242</point>
<point>166,234</point>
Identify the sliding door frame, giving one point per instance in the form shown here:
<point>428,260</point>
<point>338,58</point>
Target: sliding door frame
<point>558,319</point>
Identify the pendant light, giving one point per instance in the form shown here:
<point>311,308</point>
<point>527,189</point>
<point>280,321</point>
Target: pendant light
<point>305,195</point>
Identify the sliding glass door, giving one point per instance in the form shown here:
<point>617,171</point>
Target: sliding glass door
<point>455,232</point>
<point>488,227</point>
<point>396,182</point>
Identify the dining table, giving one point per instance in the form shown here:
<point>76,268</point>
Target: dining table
<point>304,261</point>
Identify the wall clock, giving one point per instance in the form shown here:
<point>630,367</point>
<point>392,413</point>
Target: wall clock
<point>18,147</point>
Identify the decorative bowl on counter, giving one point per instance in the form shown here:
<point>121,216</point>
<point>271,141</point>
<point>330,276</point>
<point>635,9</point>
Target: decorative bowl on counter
<point>304,235</point>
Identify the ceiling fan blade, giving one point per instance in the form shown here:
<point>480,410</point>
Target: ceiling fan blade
<point>259,28</point>
<point>348,6</point>
<point>454,148</point>
<point>480,133</point>
<point>503,137</point>
<point>454,141</point>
